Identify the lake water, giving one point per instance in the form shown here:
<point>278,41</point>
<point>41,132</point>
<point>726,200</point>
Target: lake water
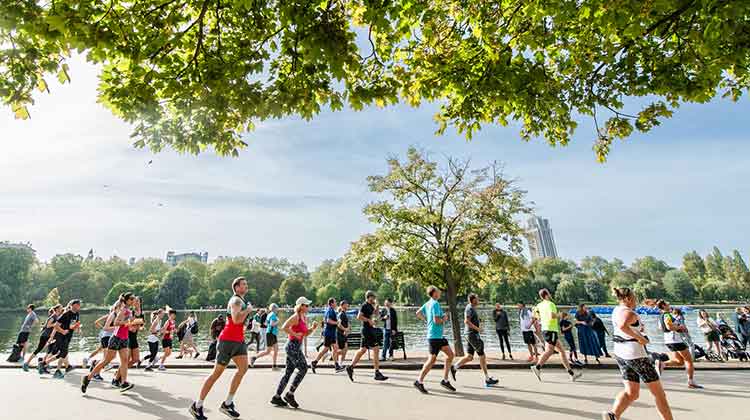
<point>414,330</point>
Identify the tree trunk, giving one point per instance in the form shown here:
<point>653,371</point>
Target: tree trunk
<point>455,318</point>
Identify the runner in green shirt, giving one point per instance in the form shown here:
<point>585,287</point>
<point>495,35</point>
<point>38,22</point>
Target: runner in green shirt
<point>546,312</point>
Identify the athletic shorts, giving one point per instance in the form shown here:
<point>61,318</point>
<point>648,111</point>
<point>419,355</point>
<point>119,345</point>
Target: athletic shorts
<point>529,338</point>
<point>437,344</point>
<point>341,340</point>
<point>369,340</point>
<point>271,339</point>
<point>104,342</point>
<point>712,336</point>
<point>23,337</point>
<point>676,347</point>
<point>550,337</point>
<point>132,340</point>
<point>61,346</point>
<point>475,344</point>
<point>116,343</point>
<point>637,370</point>
<point>329,341</point>
<point>227,350</point>
<point>166,343</point>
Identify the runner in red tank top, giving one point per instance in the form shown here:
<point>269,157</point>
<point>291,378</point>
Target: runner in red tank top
<point>231,346</point>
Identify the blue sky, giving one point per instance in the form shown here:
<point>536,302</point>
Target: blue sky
<point>71,181</point>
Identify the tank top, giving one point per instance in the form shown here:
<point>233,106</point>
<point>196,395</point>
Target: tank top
<point>154,336</point>
<point>233,332</point>
<point>122,330</point>
<point>46,331</point>
<point>625,347</point>
<point>670,337</point>
<point>168,328</point>
<point>301,327</point>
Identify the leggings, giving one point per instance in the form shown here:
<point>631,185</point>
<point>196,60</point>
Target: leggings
<point>294,360</point>
<point>502,335</point>
<point>42,342</point>
<point>153,350</point>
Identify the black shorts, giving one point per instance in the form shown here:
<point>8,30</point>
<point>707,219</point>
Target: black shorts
<point>271,339</point>
<point>341,340</point>
<point>676,347</point>
<point>329,341</point>
<point>550,337</point>
<point>104,342</point>
<point>712,337</point>
<point>132,340</point>
<point>227,350</point>
<point>62,343</point>
<point>116,343</point>
<point>166,343</point>
<point>23,337</point>
<point>437,344</point>
<point>475,344</point>
<point>529,338</point>
<point>369,341</point>
<point>637,370</point>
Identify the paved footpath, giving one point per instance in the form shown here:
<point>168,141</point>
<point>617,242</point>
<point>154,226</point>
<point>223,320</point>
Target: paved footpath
<point>166,395</point>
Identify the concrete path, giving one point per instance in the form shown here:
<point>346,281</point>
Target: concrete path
<point>166,395</point>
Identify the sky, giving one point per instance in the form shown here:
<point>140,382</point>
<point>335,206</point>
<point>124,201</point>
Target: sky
<point>70,181</point>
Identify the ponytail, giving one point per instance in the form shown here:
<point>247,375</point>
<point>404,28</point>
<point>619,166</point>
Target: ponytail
<point>622,293</point>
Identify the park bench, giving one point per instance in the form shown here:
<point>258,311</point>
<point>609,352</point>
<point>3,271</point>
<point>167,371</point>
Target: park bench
<point>355,341</point>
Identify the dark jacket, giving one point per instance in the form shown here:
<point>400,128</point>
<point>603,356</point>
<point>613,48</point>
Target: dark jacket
<point>393,316</point>
<point>501,320</point>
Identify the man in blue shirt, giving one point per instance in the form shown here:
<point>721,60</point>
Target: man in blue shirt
<point>331,323</point>
<point>436,319</point>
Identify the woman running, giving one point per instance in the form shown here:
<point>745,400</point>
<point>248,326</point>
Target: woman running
<point>296,328</point>
<point>675,342</point>
<point>53,313</point>
<point>166,340</point>
<point>121,318</point>
<point>104,335</point>
<point>272,337</point>
<point>135,353</point>
<point>632,358</point>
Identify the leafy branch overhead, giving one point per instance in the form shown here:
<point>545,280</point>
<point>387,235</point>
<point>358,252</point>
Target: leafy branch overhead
<point>193,74</point>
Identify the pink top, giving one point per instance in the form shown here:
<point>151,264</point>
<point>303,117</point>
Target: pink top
<point>122,330</point>
<point>301,327</point>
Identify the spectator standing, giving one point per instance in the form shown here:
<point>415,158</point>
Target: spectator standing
<point>601,332</point>
<point>217,325</point>
<point>502,326</point>
<point>390,328</point>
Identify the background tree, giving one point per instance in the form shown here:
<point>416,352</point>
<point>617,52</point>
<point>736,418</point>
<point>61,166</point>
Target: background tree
<point>693,266</point>
<point>648,289</point>
<point>15,272</point>
<point>714,263</point>
<point>409,292</point>
<point>678,286</point>
<point>596,290</point>
<point>650,268</point>
<point>65,265</point>
<point>290,289</point>
<point>52,298</point>
<point>441,225</point>
<point>570,290</point>
<point>175,288</point>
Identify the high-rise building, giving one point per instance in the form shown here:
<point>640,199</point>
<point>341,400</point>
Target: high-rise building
<point>174,259</point>
<point>539,236</point>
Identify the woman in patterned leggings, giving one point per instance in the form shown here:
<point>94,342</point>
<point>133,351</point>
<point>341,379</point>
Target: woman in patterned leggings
<point>296,328</point>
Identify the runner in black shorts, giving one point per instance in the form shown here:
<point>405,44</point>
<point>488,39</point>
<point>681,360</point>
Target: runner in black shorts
<point>474,341</point>
<point>329,336</point>
<point>166,336</point>
<point>64,328</point>
<point>673,330</point>
<point>369,341</point>
<point>272,339</point>
<point>342,331</point>
<point>546,312</point>
<point>432,313</point>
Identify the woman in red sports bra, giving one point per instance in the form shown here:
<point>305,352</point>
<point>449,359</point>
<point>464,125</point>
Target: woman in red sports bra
<point>297,329</point>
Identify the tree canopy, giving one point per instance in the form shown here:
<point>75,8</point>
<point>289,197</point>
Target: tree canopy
<point>197,74</point>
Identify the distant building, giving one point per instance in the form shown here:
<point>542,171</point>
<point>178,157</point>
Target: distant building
<point>26,246</point>
<point>174,259</point>
<point>539,236</point>
<point>131,261</point>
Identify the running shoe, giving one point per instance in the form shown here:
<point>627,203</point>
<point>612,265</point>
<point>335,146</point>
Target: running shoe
<point>278,401</point>
<point>536,371</point>
<point>197,413</point>
<point>313,365</point>
<point>25,367</point>
<point>138,365</point>
<point>69,368</point>
<point>491,381</point>
<point>453,372</point>
<point>252,361</point>
<point>575,375</point>
<point>45,370</point>
<point>350,372</point>
<point>93,365</point>
<point>85,381</point>
<point>149,369</point>
<point>420,387</point>
<point>608,416</point>
<point>196,355</point>
<point>693,385</point>
<point>379,376</point>
<point>98,378</point>
<point>340,369</point>
<point>40,368</point>
<point>162,368</point>
<point>58,374</point>
<point>115,383</point>
<point>447,385</point>
<point>229,410</point>
<point>126,386</point>
<point>510,355</point>
<point>289,398</point>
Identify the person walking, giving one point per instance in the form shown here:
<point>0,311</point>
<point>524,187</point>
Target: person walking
<point>272,337</point>
<point>390,328</point>
<point>432,313</point>
<point>601,332</point>
<point>474,341</point>
<point>587,341</point>
<point>296,329</point>
<point>255,330</point>
<point>187,345</point>
<point>633,359</point>
<point>342,332</point>
<point>680,355</point>
<point>548,319</point>
<point>502,326</point>
<point>710,330</point>
<point>231,347</point>
<point>566,327</point>
<point>215,329</point>
<point>369,339</point>
<point>526,322</point>
<point>23,335</point>
<point>329,336</point>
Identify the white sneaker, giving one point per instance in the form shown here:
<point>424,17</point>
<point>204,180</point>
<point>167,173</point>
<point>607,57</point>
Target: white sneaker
<point>162,368</point>
<point>536,371</point>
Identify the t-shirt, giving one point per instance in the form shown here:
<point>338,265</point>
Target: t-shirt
<point>473,316</point>
<point>67,319</point>
<point>330,330</point>
<point>367,310</point>
<point>564,323</point>
<point>547,309</point>
<point>598,325</point>
<point>344,320</point>
<point>168,329</point>
<point>525,319</point>
<point>272,324</point>
<point>30,319</point>
<point>46,331</point>
<point>430,310</point>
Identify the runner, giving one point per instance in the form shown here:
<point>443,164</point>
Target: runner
<point>474,341</point>
<point>369,340</point>
<point>44,338</point>
<point>187,344</point>
<point>548,318</point>
<point>64,328</point>
<point>135,353</point>
<point>272,337</point>
<point>296,329</point>
<point>23,335</point>
<point>433,314</point>
<point>632,358</point>
<point>329,336</point>
<point>673,339</point>
<point>153,338</point>
<point>166,336</point>
<point>255,331</point>
<point>527,323</point>
<point>342,333</point>
<point>121,318</point>
<point>103,341</point>
<point>231,347</point>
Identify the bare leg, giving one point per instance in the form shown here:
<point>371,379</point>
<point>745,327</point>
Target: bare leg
<point>427,367</point>
<point>211,380</point>
<point>464,360</point>
<point>483,365</point>
<point>241,362</point>
<point>361,352</point>
<point>124,360</point>
<point>449,355</point>
<point>109,355</point>
<point>662,405</point>
<point>626,397</point>
<point>376,358</point>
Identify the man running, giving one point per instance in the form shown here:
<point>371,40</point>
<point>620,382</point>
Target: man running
<point>23,334</point>
<point>231,346</point>
<point>342,333</point>
<point>474,341</point>
<point>272,337</point>
<point>436,319</point>
<point>64,328</point>
<point>369,340</point>
<point>166,339</point>
<point>548,318</point>
<point>329,336</point>
<point>675,342</point>
<point>527,323</point>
